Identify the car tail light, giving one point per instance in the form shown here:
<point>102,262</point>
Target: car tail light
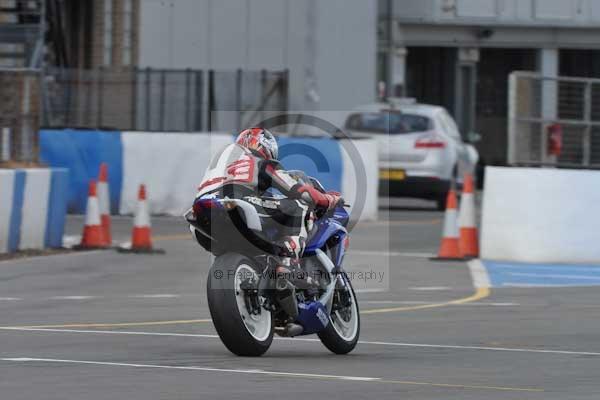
<point>430,142</point>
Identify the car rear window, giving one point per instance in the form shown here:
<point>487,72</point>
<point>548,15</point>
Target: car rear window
<point>388,123</point>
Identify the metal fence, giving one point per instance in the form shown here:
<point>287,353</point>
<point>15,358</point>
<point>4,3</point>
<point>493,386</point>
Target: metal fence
<point>20,108</point>
<point>131,99</point>
<point>160,100</point>
<point>554,121</point>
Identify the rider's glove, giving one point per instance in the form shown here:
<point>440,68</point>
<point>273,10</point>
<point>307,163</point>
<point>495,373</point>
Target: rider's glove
<point>326,201</point>
<point>334,199</point>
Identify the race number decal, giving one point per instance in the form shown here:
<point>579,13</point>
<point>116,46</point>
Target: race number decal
<point>241,171</point>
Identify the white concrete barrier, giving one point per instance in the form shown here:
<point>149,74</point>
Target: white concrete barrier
<point>7,187</point>
<point>541,215</point>
<point>170,164</point>
<point>35,211</point>
<point>34,207</point>
<point>354,190</point>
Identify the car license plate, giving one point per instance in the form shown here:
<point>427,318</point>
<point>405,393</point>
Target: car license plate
<point>392,174</point>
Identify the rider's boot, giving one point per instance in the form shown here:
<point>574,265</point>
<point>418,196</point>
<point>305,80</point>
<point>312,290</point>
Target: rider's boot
<point>290,267</point>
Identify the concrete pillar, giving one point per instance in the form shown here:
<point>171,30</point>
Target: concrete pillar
<point>548,64</point>
<point>548,67</point>
<point>398,71</point>
<point>465,100</point>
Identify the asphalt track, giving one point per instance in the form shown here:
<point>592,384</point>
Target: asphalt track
<point>103,325</point>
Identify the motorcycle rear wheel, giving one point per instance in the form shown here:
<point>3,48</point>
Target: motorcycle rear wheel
<point>243,333</point>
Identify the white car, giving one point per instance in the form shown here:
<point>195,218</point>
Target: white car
<point>421,150</point>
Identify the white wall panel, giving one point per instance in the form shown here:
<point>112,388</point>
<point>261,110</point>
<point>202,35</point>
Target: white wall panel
<point>229,33</point>
<point>554,9</point>
<point>191,33</point>
<point>267,33</point>
<point>575,13</point>
<point>271,34</point>
<point>411,9</point>
<point>507,9</point>
<point>594,7</point>
<point>346,54</point>
<point>524,9</point>
<point>155,43</point>
<point>476,8</point>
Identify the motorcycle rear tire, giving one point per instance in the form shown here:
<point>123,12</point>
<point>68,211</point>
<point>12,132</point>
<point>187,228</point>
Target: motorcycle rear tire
<point>223,306</point>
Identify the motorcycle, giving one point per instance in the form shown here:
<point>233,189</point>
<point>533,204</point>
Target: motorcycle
<point>250,301</point>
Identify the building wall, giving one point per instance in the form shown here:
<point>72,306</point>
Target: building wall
<point>506,35</point>
<point>108,37</point>
<point>501,12</point>
<point>329,47</point>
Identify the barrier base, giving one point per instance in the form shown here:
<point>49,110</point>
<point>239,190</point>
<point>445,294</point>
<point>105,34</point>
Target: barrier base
<point>441,259</point>
<point>87,248</point>
<point>124,250</point>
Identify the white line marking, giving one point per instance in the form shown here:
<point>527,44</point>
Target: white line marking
<point>556,276</point>
<point>479,274</point>
<point>433,302</point>
<point>83,297</point>
<point>42,257</point>
<point>154,296</point>
<point>430,288</point>
<point>541,285</point>
<point>409,303</point>
<point>73,297</point>
<point>505,349</point>
<point>417,255</point>
<point>390,254</point>
<point>193,335</point>
<point>371,290</point>
<point>363,342</point>
<point>192,368</point>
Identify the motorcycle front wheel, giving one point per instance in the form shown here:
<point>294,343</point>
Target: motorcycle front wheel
<point>245,332</point>
<point>343,330</point>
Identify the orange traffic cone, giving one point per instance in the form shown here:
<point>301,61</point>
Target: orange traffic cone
<point>104,202</point>
<point>93,234</point>
<point>449,249</point>
<point>469,236</point>
<point>141,235</point>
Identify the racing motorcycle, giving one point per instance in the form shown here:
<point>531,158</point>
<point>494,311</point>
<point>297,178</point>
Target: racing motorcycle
<point>249,301</point>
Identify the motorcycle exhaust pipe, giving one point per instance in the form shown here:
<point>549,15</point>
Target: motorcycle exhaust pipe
<point>286,297</point>
<point>290,330</point>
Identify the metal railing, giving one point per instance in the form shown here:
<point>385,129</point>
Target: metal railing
<point>159,100</point>
<point>22,11</point>
<point>20,110</point>
<point>131,99</point>
<point>22,32</point>
<point>537,104</point>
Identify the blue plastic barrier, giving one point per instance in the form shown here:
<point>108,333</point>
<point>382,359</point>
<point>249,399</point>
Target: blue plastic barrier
<point>82,152</point>
<point>320,158</point>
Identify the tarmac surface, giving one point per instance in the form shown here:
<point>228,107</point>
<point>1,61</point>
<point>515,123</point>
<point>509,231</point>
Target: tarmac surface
<point>103,325</point>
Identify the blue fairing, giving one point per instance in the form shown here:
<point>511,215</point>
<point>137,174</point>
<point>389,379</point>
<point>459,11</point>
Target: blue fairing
<point>326,229</point>
<point>313,317</point>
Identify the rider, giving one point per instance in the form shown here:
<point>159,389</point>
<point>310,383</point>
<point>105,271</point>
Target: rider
<point>248,169</point>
